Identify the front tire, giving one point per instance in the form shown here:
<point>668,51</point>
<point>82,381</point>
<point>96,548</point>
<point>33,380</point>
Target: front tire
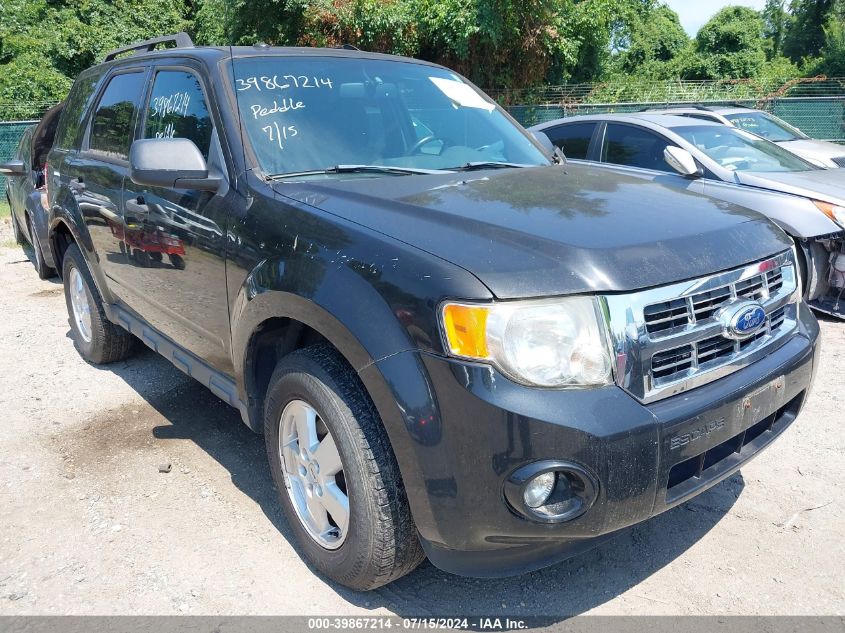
<point>336,475</point>
<point>97,339</point>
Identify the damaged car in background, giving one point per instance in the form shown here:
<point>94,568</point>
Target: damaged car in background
<point>712,159</point>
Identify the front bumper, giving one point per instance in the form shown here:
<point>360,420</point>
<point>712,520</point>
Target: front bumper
<point>476,427</point>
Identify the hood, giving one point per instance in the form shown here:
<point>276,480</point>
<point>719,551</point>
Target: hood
<point>545,231</point>
<point>811,148</point>
<point>820,184</point>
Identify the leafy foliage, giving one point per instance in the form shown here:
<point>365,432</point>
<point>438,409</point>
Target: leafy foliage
<point>44,44</point>
<point>731,43</point>
<point>515,44</point>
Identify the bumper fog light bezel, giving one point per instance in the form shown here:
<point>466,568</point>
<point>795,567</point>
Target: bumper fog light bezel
<point>575,491</point>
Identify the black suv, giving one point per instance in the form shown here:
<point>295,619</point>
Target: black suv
<point>455,344</point>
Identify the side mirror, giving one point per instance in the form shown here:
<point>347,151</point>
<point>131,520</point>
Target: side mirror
<point>682,162</point>
<point>13,168</point>
<point>174,163</point>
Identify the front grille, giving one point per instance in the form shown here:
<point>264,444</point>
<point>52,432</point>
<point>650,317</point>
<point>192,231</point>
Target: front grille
<point>670,339</point>
<point>662,318</point>
<point>839,160</point>
<point>673,364</point>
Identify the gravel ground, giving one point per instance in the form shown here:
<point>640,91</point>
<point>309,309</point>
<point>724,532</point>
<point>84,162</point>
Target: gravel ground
<point>88,524</point>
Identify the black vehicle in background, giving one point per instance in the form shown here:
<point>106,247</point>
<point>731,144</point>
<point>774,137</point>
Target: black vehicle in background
<point>26,192</point>
<point>455,345</point>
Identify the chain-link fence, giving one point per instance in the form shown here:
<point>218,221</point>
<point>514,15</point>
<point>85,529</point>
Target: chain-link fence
<point>815,105</point>
<point>818,117</point>
<point>10,134</point>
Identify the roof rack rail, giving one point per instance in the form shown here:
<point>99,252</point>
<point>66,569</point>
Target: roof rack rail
<point>181,39</point>
<point>737,104</point>
<point>679,106</point>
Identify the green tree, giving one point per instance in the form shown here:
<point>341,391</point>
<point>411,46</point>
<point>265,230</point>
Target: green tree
<point>731,44</point>
<point>833,51</point>
<point>45,44</point>
<point>777,22</point>
<point>655,38</point>
<point>806,35</point>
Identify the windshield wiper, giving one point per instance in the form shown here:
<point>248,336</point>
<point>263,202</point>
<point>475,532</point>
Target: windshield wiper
<point>358,169</point>
<point>484,164</point>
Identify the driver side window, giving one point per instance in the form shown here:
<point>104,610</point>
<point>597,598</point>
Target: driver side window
<point>634,147</point>
<point>177,109</point>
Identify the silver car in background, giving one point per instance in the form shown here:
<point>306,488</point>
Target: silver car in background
<point>822,153</point>
<point>732,165</point>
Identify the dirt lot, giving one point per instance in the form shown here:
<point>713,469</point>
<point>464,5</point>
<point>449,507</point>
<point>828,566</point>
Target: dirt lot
<point>88,524</point>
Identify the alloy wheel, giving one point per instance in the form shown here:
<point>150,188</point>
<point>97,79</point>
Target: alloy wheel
<point>80,303</point>
<point>314,474</point>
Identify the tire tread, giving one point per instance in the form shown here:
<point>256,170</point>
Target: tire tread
<point>397,549</point>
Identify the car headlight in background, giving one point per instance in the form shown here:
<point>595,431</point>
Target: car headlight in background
<point>833,211</point>
<point>544,343</point>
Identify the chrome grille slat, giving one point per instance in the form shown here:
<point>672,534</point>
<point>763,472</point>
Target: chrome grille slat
<point>669,339</point>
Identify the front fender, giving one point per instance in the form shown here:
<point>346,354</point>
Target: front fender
<point>344,304</point>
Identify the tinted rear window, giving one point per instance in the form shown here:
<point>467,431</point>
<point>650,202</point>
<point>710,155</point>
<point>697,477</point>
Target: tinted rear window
<point>112,125</point>
<point>573,139</point>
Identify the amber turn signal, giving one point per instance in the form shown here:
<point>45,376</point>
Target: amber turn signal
<point>466,330</point>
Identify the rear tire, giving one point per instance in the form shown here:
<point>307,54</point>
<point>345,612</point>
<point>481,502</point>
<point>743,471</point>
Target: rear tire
<point>97,339</point>
<point>380,542</point>
<point>43,270</point>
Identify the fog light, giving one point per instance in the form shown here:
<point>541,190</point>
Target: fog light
<point>551,491</point>
<point>539,489</point>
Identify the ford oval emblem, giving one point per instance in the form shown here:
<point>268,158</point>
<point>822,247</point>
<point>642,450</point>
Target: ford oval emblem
<point>742,320</point>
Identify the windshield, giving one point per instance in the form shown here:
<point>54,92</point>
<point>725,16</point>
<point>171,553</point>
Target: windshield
<point>313,114</point>
<point>765,125</point>
<point>738,150</point>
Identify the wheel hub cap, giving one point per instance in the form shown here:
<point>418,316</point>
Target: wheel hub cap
<point>80,304</point>
<point>314,476</point>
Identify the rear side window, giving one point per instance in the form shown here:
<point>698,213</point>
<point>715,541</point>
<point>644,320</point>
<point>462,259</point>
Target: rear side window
<point>76,106</point>
<point>177,109</point>
<point>573,140</point>
<point>634,147</point>
<point>111,127</point>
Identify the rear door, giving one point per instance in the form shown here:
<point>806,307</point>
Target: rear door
<point>97,171</point>
<point>175,238</point>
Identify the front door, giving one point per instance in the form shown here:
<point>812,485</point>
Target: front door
<point>175,238</point>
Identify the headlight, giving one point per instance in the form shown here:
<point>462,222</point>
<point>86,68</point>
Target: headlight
<point>546,343</point>
<point>833,211</point>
